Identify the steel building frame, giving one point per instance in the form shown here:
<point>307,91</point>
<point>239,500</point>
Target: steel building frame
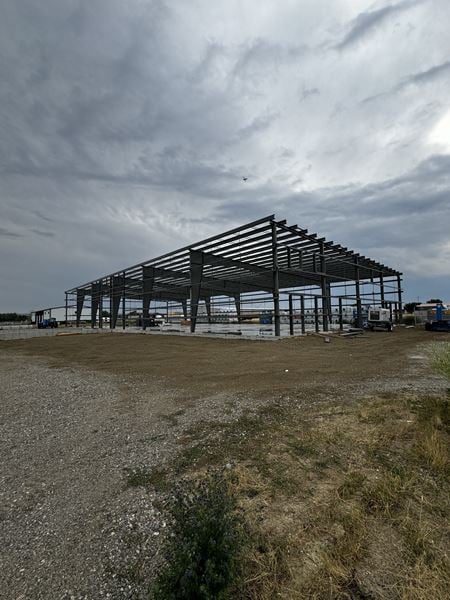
<point>264,259</point>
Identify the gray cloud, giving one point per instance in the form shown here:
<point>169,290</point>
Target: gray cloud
<point>431,75</point>
<point>307,93</point>
<point>9,234</point>
<point>366,22</point>
<point>126,129</point>
<point>43,233</point>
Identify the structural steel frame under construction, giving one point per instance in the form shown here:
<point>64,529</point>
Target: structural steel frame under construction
<point>260,261</point>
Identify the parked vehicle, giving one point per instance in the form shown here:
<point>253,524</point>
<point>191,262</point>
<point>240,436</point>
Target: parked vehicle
<point>48,323</point>
<point>440,320</point>
<point>379,317</point>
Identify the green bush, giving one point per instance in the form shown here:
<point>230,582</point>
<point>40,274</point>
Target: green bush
<point>207,536</point>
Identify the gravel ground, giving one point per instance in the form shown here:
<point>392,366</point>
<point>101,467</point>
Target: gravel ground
<point>70,526</point>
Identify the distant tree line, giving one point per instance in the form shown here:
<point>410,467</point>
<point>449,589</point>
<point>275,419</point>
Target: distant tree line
<point>13,317</point>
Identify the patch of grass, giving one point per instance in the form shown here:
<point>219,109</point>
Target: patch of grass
<point>266,566</point>
<point>383,495</point>
<point>301,448</point>
<point>418,541</point>
<point>433,410</point>
<point>434,449</point>
<point>202,556</point>
<point>352,484</point>
<point>440,358</point>
<point>334,575</point>
<point>144,477</point>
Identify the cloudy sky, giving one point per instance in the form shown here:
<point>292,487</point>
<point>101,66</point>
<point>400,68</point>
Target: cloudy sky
<point>126,128</point>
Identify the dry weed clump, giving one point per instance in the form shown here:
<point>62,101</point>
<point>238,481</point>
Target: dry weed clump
<point>434,449</point>
<point>440,357</point>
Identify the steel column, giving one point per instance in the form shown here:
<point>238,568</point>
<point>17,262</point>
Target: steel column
<point>208,308</point>
<point>316,313</point>
<point>276,280</point>
<point>115,300</point>
<point>400,305</point>
<point>291,315</point>
<point>148,279</point>
<point>302,313</point>
<point>357,294</point>
<point>123,301</point>
<point>237,302</point>
<point>381,289</point>
<point>95,297</point>
<point>184,308</point>
<point>323,286</point>
<point>196,272</point>
<point>80,301</point>
<point>100,305</point>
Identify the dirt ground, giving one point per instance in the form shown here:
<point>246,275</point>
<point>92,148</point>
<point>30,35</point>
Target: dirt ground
<point>80,412</point>
<point>197,365</point>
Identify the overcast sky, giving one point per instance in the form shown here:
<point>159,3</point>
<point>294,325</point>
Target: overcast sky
<point>126,128</point>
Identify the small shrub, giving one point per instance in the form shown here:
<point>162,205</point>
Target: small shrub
<point>207,535</point>
<point>409,320</point>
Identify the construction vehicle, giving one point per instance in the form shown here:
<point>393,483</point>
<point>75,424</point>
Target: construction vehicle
<point>379,318</point>
<point>48,323</point>
<point>439,319</point>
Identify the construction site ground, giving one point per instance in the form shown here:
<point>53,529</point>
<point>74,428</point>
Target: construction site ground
<point>84,417</point>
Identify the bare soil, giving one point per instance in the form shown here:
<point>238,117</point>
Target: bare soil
<point>207,365</point>
<point>82,413</point>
